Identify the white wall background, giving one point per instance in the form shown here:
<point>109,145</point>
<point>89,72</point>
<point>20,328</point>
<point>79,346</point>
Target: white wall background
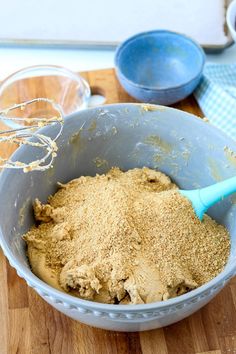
<point>109,21</point>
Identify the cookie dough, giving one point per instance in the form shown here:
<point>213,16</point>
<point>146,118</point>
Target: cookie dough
<point>124,238</point>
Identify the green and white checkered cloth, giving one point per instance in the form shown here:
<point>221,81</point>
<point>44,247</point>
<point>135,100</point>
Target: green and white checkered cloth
<point>216,95</point>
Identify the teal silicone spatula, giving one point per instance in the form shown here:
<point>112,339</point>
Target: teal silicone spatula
<point>204,198</point>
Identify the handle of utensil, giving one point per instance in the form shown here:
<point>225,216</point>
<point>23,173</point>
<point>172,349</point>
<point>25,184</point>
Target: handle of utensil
<point>218,191</point>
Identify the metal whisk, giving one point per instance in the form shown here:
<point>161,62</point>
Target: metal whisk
<point>22,135</point>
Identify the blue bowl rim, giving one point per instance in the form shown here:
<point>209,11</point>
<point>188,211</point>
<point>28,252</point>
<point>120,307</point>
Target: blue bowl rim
<point>147,33</point>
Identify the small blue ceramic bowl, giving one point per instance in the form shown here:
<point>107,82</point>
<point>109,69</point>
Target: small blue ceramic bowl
<point>159,66</point>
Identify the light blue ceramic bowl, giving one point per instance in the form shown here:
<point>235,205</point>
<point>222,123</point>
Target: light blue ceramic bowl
<point>159,66</point>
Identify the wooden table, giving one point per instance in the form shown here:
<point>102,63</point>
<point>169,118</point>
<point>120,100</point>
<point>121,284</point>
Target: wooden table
<point>30,325</point>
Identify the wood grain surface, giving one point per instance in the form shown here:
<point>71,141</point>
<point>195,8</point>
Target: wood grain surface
<point>30,325</point>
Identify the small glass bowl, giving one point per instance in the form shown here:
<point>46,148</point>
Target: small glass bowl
<point>56,83</point>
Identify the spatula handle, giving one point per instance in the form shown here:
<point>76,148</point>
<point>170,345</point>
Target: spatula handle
<point>204,198</point>
<point>216,192</point>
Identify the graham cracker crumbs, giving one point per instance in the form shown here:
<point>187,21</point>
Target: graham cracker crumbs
<point>124,237</point>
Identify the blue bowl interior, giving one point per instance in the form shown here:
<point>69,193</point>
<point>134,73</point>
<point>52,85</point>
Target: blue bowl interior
<point>160,59</point>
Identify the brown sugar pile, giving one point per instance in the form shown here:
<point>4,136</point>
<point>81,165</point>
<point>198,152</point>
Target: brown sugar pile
<point>124,237</point>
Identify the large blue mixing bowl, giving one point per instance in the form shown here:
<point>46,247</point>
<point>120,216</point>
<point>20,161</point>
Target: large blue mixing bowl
<point>192,152</point>
<point>159,66</point>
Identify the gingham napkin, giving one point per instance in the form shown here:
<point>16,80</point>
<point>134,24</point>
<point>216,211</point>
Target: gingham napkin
<point>216,95</point>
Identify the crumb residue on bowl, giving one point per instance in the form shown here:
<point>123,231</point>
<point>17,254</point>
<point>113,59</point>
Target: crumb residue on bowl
<point>76,138</point>
<point>92,126</point>
<point>157,158</point>
<point>151,108</point>
<point>186,155</point>
<point>214,169</point>
<point>156,141</point>
<point>114,130</point>
<point>230,155</point>
<point>124,238</point>
<point>99,162</point>
<point>22,212</point>
<point>78,142</point>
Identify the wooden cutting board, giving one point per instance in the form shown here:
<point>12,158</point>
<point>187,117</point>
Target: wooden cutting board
<point>30,325</point>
